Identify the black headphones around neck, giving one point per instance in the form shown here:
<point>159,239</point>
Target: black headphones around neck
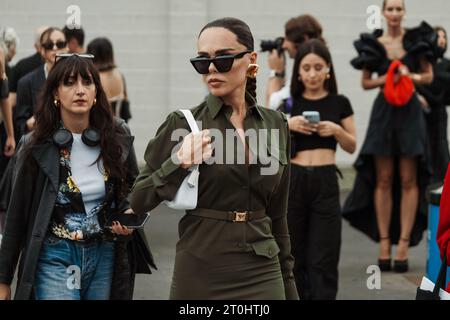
<point>63,138</point>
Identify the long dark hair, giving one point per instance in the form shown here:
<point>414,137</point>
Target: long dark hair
<point>244,36</point>
<point>315,46</point>
<point>48,117</point>
<point>103,52</point>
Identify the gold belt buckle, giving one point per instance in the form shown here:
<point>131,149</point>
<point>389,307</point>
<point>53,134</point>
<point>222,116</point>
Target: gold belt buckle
<point>240,216</point>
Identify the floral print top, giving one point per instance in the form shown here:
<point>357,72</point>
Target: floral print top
<point>70,219</point>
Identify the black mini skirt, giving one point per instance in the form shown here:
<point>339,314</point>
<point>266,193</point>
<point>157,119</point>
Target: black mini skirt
<point>395,131</point>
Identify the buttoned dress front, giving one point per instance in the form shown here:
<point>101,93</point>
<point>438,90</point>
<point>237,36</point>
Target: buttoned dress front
<point>215,258</point>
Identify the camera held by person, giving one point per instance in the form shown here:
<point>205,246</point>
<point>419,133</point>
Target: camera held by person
<point>269,45</point>
<point>297,30</point>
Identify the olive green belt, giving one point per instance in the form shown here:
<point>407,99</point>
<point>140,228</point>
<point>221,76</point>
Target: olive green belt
<point>234,216</point>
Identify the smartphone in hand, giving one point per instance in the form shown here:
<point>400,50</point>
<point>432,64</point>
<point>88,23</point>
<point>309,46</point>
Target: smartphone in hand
<point>312,116</point>
<point>131,221</point>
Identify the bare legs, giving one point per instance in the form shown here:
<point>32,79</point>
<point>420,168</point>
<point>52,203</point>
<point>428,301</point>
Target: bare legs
<point>384,167</point>
<point>408,206</point>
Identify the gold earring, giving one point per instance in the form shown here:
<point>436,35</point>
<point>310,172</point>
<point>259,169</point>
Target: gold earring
<point>95,101</point>
<point>57,103</point>
<point>328,76</point>
<point>252,70</point>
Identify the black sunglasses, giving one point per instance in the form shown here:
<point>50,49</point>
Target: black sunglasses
<point>222,63</point>
<point>60,56</point>
<point>49,45</point>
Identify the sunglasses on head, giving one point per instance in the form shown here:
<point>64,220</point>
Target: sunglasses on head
<point>49,45</point>
<point>60,56</point>
<point>222,63</point>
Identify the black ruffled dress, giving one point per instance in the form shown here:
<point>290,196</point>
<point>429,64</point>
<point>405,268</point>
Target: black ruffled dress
<point>392,131</point>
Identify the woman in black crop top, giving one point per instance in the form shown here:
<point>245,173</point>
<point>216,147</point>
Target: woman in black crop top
<point>388,199</point>
<point>314,211</point>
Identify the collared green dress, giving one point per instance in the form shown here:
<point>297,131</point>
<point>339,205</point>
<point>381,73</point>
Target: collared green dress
<point>217,259</point>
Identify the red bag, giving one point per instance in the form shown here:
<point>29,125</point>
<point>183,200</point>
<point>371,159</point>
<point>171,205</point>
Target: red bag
<point>398,94</point>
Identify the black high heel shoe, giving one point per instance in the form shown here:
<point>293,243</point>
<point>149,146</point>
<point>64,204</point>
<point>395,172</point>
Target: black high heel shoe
<point>384,264</point>
<point>401,266</point>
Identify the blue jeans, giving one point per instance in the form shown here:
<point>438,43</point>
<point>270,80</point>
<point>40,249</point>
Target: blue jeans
<point>71,270</point>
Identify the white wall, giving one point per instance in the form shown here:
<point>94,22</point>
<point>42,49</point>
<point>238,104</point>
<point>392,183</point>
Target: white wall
<point>153,40</point>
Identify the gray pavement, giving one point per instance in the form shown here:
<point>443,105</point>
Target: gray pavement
<point>357,253</point>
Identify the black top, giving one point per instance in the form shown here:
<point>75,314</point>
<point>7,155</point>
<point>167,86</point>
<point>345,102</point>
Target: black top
<point>23,67</point>
<point>332,108</point>
<point>437,93</point>
<point>28,91</point>
<point>8,71</point>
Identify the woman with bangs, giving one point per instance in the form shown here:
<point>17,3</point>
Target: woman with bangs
<point>66,183</point>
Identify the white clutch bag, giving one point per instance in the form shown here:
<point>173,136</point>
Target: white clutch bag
<point>187,194</point>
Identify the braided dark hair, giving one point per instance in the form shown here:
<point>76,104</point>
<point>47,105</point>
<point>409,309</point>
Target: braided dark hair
<point>244,36</point>
<point>250,87</point>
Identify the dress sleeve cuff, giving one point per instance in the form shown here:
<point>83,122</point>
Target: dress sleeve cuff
<point>170,172</point>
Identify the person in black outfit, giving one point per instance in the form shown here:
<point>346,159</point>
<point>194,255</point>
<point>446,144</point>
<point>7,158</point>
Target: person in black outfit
<point>388,199</point>
<point>314,218</point>
<point>8,47</point>
<point>437,96</point>
<point>53,42</point>
<point>8,142</point>
<point>22,68</point>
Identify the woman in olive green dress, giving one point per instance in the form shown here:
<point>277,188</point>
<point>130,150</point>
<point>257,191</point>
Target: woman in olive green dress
<point>235,244</point>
